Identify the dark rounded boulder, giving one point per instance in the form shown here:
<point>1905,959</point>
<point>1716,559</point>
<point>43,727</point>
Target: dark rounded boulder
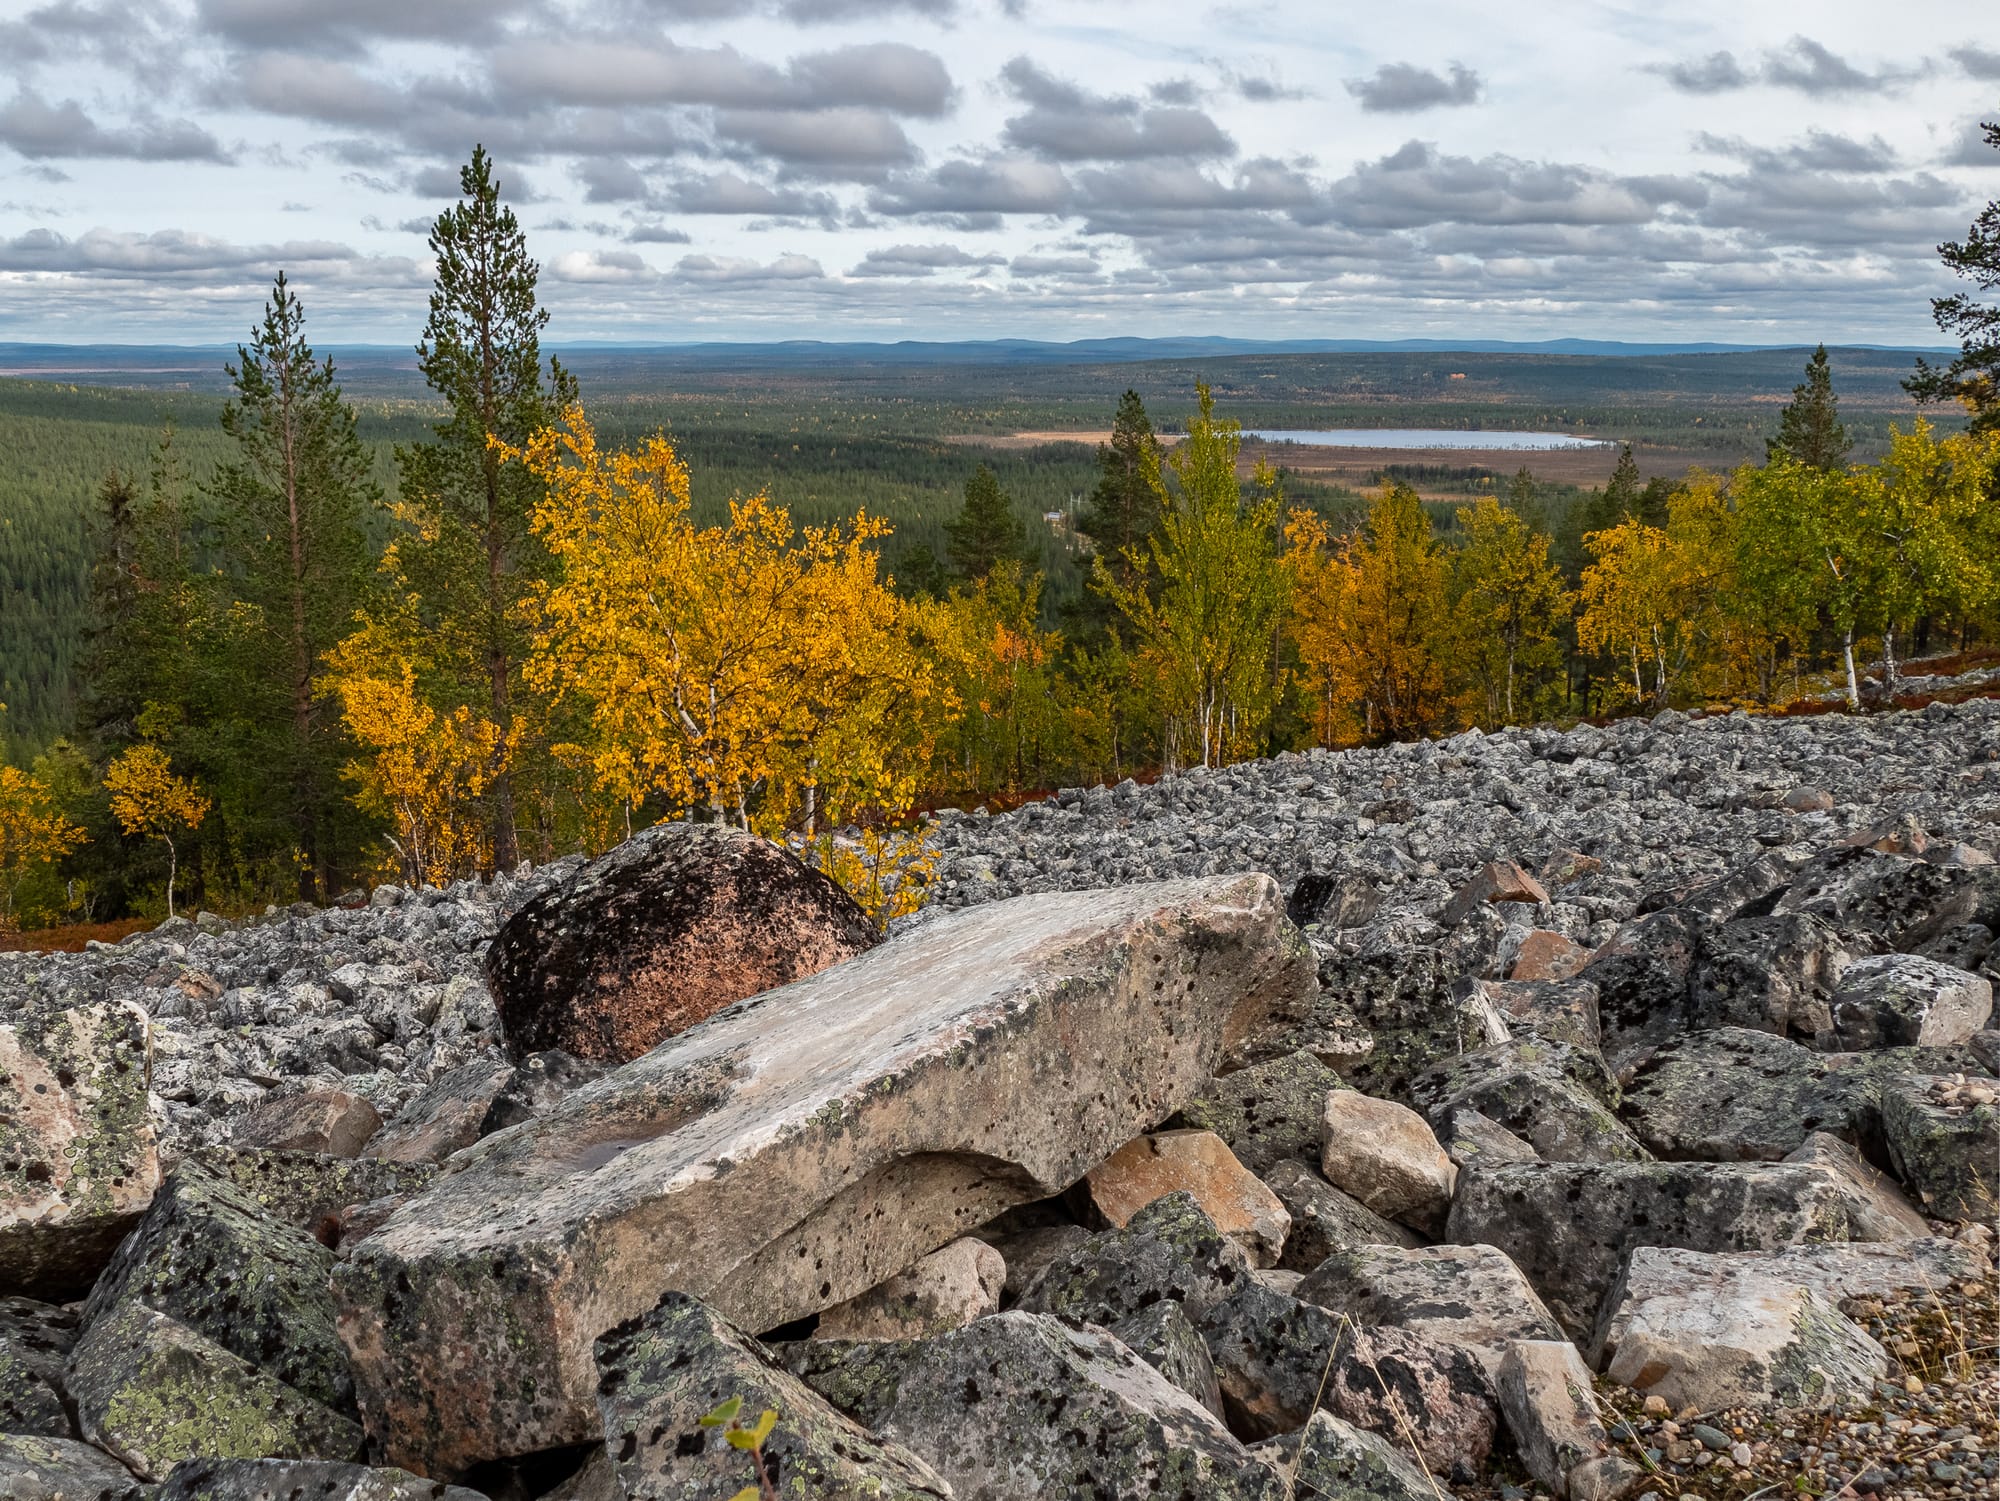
<point>674,924</point>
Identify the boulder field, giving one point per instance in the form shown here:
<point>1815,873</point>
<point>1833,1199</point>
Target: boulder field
<point>1603,1111</point>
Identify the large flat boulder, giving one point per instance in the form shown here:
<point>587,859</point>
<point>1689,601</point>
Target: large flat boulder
<point>1471,1295</point>
<point>671,926</point>
<point>78,1158</point>
<point>294,1479</point>
<point>38,1468</point>
<point>1891,1000</point>
<point>800,1148</point>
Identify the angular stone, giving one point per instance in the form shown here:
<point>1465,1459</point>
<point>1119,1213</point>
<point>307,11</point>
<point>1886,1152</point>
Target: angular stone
<point>1147,1168</point>
<point>154,1392</point>
<point>450,1113</point>
<point>1385,1155</point>
<point>1402,997</point>
<point>1641,976</point>
<point>1558,1010</point>
<point>1470,1137</point>
<point>1166,1339</point>
<point>1545,955</point>
<point>307,1189</point>
<point>331,1121</point>
<point>1332,1458</point>
<point>1771,973</point>
<point>1890,896</point>
<point>1469,1295</point>
<point>1495,881</point>
<point>1877,1209</point>
<point>1537,1089</point>
<point>35,1467</point>
<point>1028,1250</point>
<point>1329,901</point>
<point>1025,1405</point>
<point>1734,1338</point>
<point>947,1290</point>
<point>1546,1397</point>
<point>1569,1226</point>
<point>1170,1252</point>
<point>78,1161</point>
<point>1945,1155</point>
<point>1325,1218</point>
<point>1266,1113</point>
<point>208,1256</point>
<point>666,1370</point>
<point>1738,1094</point>
<point>35,1338</point>
<point>295,1479</point>
<point>1892,1000</point>
<point>798,1149</point>
<point>671,926</point>
<point>1274,1354</point>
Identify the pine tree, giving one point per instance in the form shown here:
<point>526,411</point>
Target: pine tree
<point>986,531</point>
<point>472,560</point>
<point>1124,508</point>
<point>1810,430</point>
<point>1973,378</point>
<point>291,511</point>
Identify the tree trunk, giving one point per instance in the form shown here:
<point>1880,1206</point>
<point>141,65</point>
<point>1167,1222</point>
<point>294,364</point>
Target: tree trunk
<point>1889,662</point>
<point>1853,683</point>
<point>312,876</point>
<point>173,870</point>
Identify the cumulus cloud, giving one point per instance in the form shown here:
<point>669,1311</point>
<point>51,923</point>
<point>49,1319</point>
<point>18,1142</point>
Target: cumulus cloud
<point>846,142</point>
<point>40,130</point>
<point>919,260</point>
<point>710,270</point>
<point>600,268</point>
<point>1820,151</point>
<point>1417,185</point>
<point>1978,62</point>
<point>728,193</point>
<point>1405,88</point>
<point>995,185</point>
<point>164,252</point>
<point>1054,265</point>
<point>351,25</point>
<point>657,234</point>
<point>1067,123</point>
<point>613,71</point>
<point>1802,64</point>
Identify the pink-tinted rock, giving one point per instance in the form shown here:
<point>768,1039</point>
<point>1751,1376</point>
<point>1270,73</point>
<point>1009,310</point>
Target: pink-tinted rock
<point>673,925</point>
<point>330,1121</point>
<point>1495,881</point>
<point>1547,955</point>
<point>1151,1167</point>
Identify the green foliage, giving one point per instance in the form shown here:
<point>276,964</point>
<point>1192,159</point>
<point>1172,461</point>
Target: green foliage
<point>746,1441</point>
<point>1810,430</point>
<point>1973,378</point>
<point>987,531</point>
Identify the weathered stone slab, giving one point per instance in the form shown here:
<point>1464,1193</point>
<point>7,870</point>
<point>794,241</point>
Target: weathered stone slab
<point>295,1479</point>
<point>78,1160</point>
<point>309,1189</point>
<point>1904,1000</point>
<point>314,1120</point>
<point>1769,973</point>
<point>675,923</point>
<point>1471,1295</point>
<point>799,1148</point>
<point>1877,1210</point>
<point>38,1468</point>
<point>35,1339</point>
<point>1545,1393</point>
<point>947,1290</point>
<point>1268,1112</point>
<point>1171,1252</point>
<point>1641,976</point>
<point>1026,1405</point>
<point>665,1371</point>
<point>1386,1156</point>
<point>1569,1226</point>
<point>154,1392</point>
<point>1325,1218</point>
<point>1945,1152</point>
<point>1166,1339</point>
<point>1539,1089</point>
<point>1341,1460</point>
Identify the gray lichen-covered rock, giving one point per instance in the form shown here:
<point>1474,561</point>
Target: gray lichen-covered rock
<point>311,1120</point>
<point>208,1256</point>
<point>1268,1113</point>
<point>1771,973</point>
<point>1325,1218</point>
<point>1470,1295</point>
<point>1569,1226</point>
<point>664,1371</point>
<point>799,1148</point>
<point>1877,1210</point>
<point>1539,1089</point>
<point>1944,1153</point>
<point>1275,1354</point>
<point>299,1479</point>
<point>307,1190</point>
<point>1469,1137</point>
<point>1558,1010</point>
<point>78,1160</point>
<point>1025,1405</point>
<point>1170,1252</point>
<point>35,1339</point>
<point>1404,996</point>
<point>1717,1332</point>
<point>948,1289</point>
<point>1329,1457</point>
<point>1641,976</point>
<point>1166,1339</point>
<point>675,923</point>
<point>34,1467</point>
<point>1893,897</point>
<point>1545,1393</point>
<point>1892,1000</point>
<point>154,1392</point>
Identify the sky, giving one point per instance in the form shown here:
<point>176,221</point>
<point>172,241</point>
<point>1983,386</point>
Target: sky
<point>946,169</point>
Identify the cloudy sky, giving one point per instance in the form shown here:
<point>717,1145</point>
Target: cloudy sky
<point>694,169</point>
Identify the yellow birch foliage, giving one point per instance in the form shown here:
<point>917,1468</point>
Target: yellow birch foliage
<point>1508,603</point>
<point>33,834</point>
<point>767,676</point>
<point>149,800</point>
<point>427,769</point>
<point>1001,667</point>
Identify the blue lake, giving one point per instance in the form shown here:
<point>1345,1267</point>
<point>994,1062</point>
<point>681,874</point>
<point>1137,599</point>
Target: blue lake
<point>1424,437</point>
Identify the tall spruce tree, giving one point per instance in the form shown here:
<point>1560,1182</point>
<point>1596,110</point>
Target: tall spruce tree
<point>474,559</point>
<point>986,531</point>
<point>291,526</point>
<point>1810,430</point>
<point>1973,378</point>
<point>1124,508</point>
